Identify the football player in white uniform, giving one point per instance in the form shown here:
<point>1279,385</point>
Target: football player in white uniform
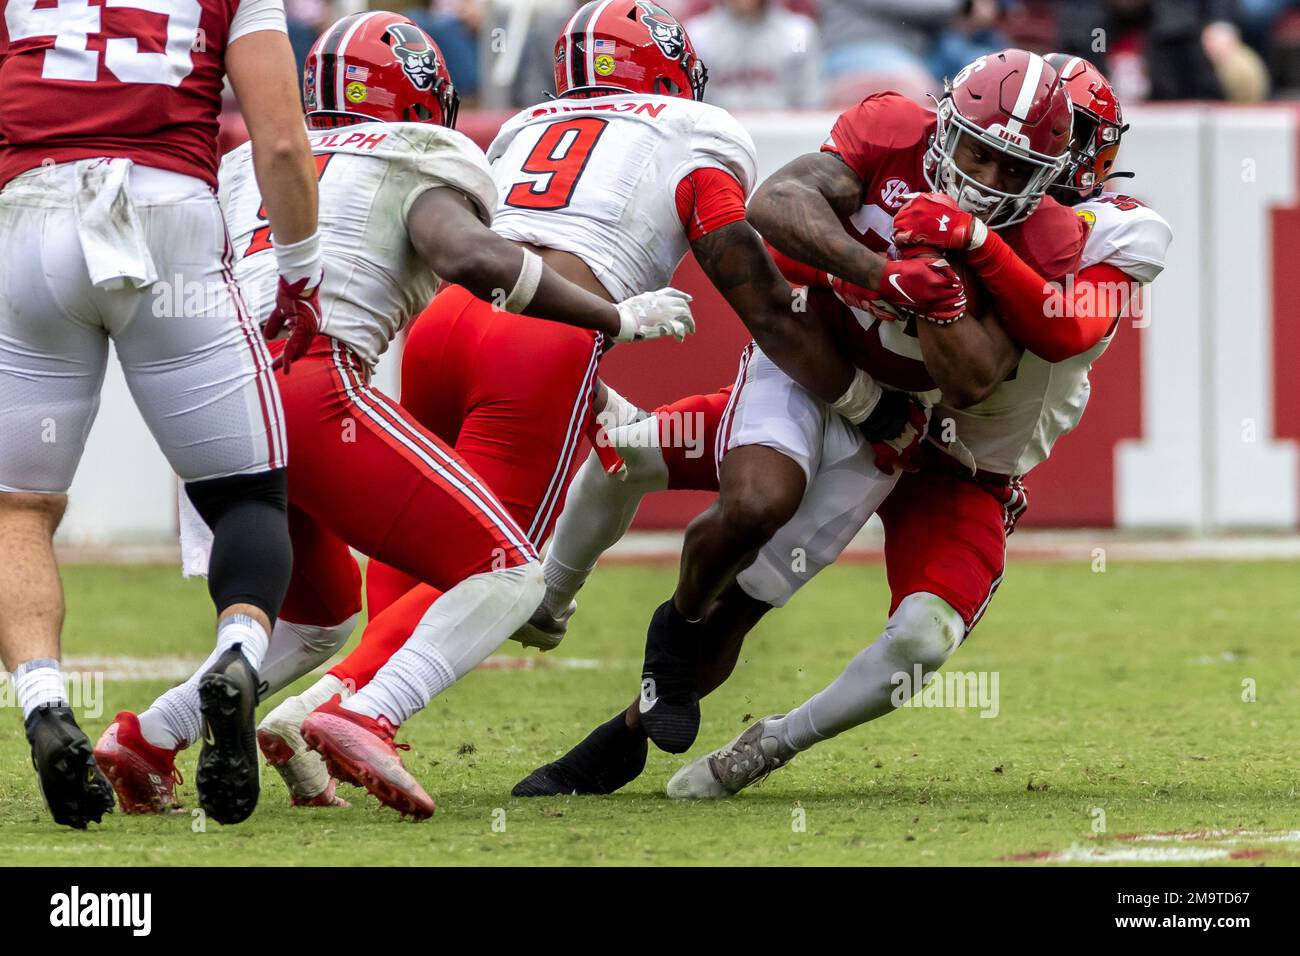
<point>945,526</point>
<point>404,200</point>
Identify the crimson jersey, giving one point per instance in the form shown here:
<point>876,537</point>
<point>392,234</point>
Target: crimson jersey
<point>884,140</point>
<point>140,79</point>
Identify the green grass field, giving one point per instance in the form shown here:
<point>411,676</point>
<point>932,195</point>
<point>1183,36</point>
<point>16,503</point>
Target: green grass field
<point>1123,714</point>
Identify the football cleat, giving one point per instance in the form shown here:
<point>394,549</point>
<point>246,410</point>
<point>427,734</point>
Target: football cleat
<point>611,756</point>
<point>724,773</point>
<point>545,630</point>
<point>73,786</point>
<point>279,736</point>
<point>227,777</point>
<point>361,750</point>
<point>143,775</point>
<point>670,702</point>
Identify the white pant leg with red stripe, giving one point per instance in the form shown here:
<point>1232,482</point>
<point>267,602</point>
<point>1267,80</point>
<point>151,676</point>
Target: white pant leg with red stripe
<point>193,359</point>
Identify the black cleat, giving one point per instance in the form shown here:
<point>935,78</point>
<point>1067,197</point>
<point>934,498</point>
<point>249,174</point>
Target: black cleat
<point>670,700</point>
<point>74,789</point>
<point>227,777</point>
<point>612,756</point>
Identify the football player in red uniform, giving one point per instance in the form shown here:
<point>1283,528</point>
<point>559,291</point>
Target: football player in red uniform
<point>998,153</point>
<point>108,160</point>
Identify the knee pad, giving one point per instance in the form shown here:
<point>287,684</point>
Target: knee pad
<point>924,630</point>
<point>213,497</point>
<point>252,559</point>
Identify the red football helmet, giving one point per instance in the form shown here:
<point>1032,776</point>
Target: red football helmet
<point>627,46</point>
<point>1098,127</point>
<point>377,66</point>
<point>1014,103</point>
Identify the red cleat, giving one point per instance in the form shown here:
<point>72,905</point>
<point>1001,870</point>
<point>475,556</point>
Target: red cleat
<point>360,750</point>
<point>144,776</point>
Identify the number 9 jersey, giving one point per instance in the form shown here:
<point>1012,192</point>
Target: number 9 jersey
<point>598,177</point>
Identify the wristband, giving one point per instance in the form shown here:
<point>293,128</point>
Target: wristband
<point>299,260</point>
<point>530,277</point>
<point>859,399</point>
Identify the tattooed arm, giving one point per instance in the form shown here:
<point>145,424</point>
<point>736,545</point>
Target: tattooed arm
<point>736,262</point>
<point>799,209</point>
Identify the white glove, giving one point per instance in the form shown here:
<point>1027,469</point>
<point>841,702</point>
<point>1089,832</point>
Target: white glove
<point>652,315</point>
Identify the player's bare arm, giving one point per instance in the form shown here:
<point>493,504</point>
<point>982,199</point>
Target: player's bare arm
<point>967,358</point>
<point>491,266</point>
<point>739,267</point>
<point>798,210</point>
<point>261,70</point>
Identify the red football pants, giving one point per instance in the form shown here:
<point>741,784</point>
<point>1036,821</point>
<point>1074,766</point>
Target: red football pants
<point>362,472</point>
<point>946,534</point>
<point>512,394</point>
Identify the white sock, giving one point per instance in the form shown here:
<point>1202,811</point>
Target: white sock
<point>249,634</point>
<point>457,632</point>
<point>323,690</point>
<point>924,630</point>
<point>39,682</point>
<point>298,649</point>
<point>598,510</point>
<point>174,720</point>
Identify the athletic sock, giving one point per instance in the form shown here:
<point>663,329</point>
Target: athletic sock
<point>241,629</point>
<point>39,683</point>
<point>456,634</point>
<point>598,509</point>
<point>325,688</point>
<point>174,720</point>
<point>923,632</point>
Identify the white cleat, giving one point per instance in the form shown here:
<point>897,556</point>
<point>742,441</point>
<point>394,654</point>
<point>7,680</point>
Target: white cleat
<point>724,773</point>
<point>279,736</point>
<point>545,630</point>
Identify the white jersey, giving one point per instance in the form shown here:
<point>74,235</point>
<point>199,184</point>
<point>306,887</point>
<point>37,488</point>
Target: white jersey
<point>370,174</point>
<point>598,178</point>
<point>1015,428</point>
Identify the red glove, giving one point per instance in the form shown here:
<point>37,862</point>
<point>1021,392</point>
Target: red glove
<point>935,219</point>
<point>297,307</point>
<point>929,287</point>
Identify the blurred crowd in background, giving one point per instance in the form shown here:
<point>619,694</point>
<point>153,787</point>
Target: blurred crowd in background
<point>795,54</point>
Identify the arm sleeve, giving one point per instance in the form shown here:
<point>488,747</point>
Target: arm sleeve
<point>255,15</point>
<point>1054,322</point>
<point>795,272</point>
<point>707,200</point>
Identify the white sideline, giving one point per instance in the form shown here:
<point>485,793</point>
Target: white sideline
<point>126,668</point>
<point>1027,544</point>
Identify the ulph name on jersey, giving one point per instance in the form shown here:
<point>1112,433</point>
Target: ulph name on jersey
<point>369,141</point>
<point>77,909</point>
<point>642,109</point>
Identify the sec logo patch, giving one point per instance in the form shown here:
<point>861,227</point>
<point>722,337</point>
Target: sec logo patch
<point>355,92</point>
<point>1088,216</point>
<point>604,64</point>
<point>892,193</point>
